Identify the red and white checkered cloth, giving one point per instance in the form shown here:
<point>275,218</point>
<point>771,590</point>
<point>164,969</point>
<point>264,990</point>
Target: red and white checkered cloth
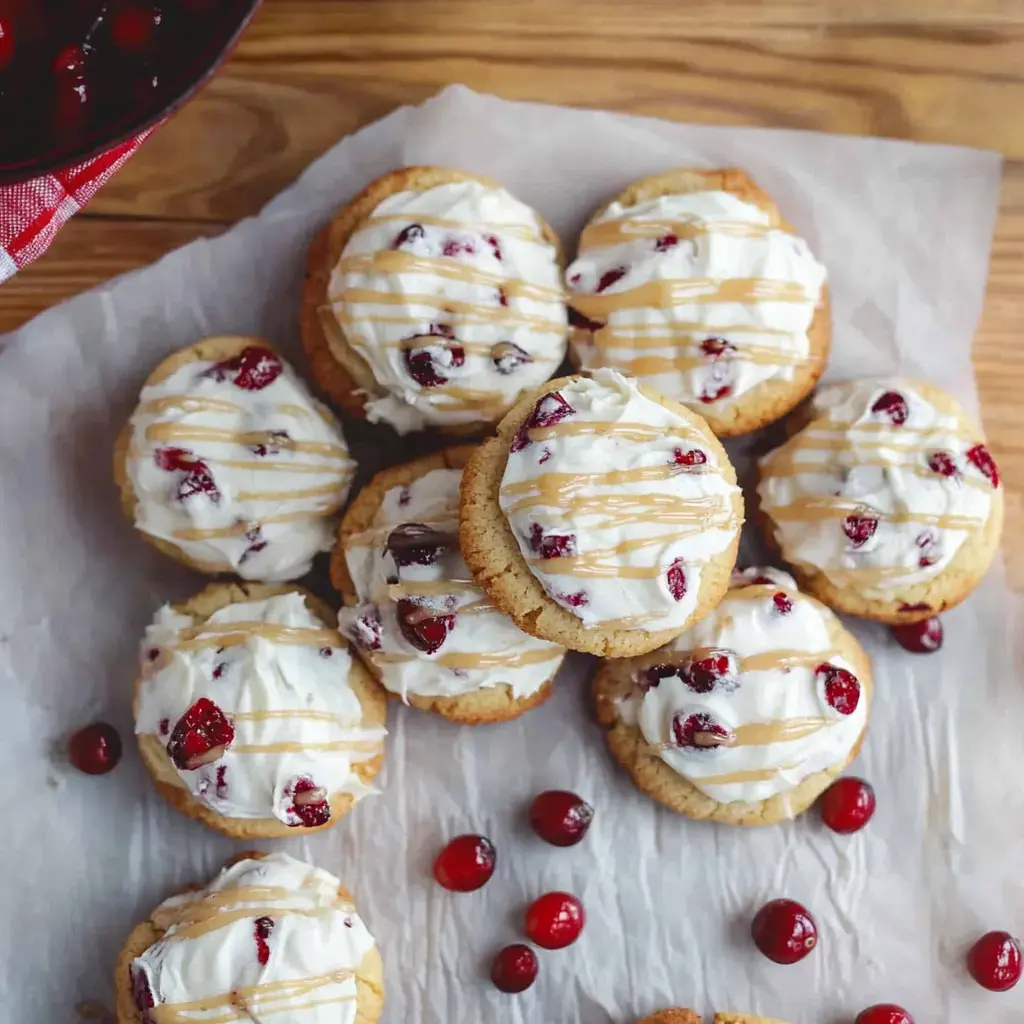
<point>32,212</point>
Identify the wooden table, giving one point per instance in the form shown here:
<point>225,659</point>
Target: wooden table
<point>310,71</point>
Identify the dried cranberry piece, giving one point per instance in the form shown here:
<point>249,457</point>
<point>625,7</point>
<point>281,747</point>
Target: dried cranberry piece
<point>550,409</point>
<point>222,781</point>
<point>893,405</point>
<point>783,604</point>
<point>423,630</point>
<point>551,545</point>
<point>715,347</point>
<point>609,277</point>
<point>197,478</point>
<point>666,242</point>
<point>495,246</point>
<point>457,247</point>
<point>692,457</point>
<point>262,927</point>
<point>310,803</point>
<point>859,529</point>
<point>980,457</point>
<point>651,677</point>
<point>253,369</point>
<point>702,675</point>
<point>416,544</point>
<point>676,577</point>
<point>943,463</point>
<point>507,356</point>
<point>202,735</point>
<point>427,363</point>
<point>577,599</point>
<point>699,731</point>
<point>577,319</point>
<point>362,626</point>
<point>841,688</point>
<point>408,234</point>
<point>142,994</point>
<point>257,543</point>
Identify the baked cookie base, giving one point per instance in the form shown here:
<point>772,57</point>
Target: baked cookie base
<point>678,1015</point>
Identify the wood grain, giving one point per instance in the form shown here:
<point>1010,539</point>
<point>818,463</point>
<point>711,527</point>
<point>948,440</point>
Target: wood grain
<point>310,71</point>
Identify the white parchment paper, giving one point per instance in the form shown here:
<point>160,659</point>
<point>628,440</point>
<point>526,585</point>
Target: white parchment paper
<point>904,230</point>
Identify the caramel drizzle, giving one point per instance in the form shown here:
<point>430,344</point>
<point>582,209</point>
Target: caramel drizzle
<point>232,634</point>
<point>474,660</point>
<point>524,232</point>
<point>241,527</point>
<point>219,435</point>
<point>759,734</point>
<point>606,234</point>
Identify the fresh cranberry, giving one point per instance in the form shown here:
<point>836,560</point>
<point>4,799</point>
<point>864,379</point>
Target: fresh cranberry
<point>551,545</point>
<point>141,992</point>
<point>842,690</point>
<point>609,277</point>
<point>699,731</point>
<point>859,529</point>
<point>202,735</point>
<point>550,409</point>
<point>514,968</point>
<point>980,457</point>
<point>253,369</point>
<point>6,43</point>
<point>70,62</point>
<point>262,927</point>
<point>577,319</point>
<point>197,478</point>
<point>995,961</point>
<point>702,675</point>
<point>577,599</point>
<point>426,364</point>
<point>784,931</point>
<point>783,604</point>
<point>943,463</point>
<point>424,631</point>
<point>408,234</point>
<point>919,637</point>
<point>893,405</point>
<point>507,357</point>
<point>560,818</point>
<point>847,805</point>
<point>466,863</point>
<point>133,26</point>
<point>715,347</point>
<point>884,1013</point>
<point>554,920</point>
<point>96,749</point>
<point>676,577</point>
<point>457,247</point>
<point>310,803</point>
<point>665,243</point>
<point>495,246</point>
<point>691,457</point>
<point>416,544</point>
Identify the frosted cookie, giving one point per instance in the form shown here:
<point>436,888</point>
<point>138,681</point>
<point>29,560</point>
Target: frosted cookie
<point>746,717</point>
<point>602,517</point>
<point>251,714</point>
<point>887,503</point>
<point>433,300</point>
<point>419,621</point>
<point>678,1015</point>
<point>228,464</point>
<point>269,938</point>
<point>693,283</point>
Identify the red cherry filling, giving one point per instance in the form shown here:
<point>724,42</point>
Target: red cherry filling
<point>980,457</point>
<point>554,920</point>
<point>196,479</point>
<point>551,545</point>
<point>783,604</point>
<point>699,731</point>
<point>691,457</point>
<point>784,931</point>
<point>96,749</point>
<point>847,805</point>
<point>609,277</point>
<point>859,529</point>
<point>133,27</point>
<point>702,675</point>
<point>893,405</point>
<point>841,688</point>
<point>884,1013</point>
<point>665,243</point>
<point>943,463</point>
<point>514,969</point>
<point>995,961</point>
<point>310,803</point>
<point>202,735</point>
<point>560,818</point>
<point>408,234</point>
<point>919,637</point>
<point>676,578</point>
<point>507,357</point>
<point>422,628</point>
<point>262,927</point>
<point>253,369</point>
<point>466,863</point>
<point>428,363</point>
<point>715,347</point>
<point>142,994</point>
<point>416,544</point>
<point>577,319</point>
<point>550,409</point>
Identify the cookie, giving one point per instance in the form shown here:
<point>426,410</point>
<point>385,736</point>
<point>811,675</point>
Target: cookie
<point>229,465</point>
<point>677,1015</point>
<point>887,503</point>
<point>251,714</point>
<point>602,516</point>
<point>746,717</point>
<point>398,556</point>
<point>692,282</point>
<point>287,925</point>
<point>433,299</point>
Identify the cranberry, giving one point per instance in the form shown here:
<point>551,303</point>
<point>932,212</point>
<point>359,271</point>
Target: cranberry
<point>847,805</point>
<point>408,234</point>
<point>651,677</point>
<point>560,818</point>
<point>884,1013</point>
<point>495,246</point>
<point>6,43</point>
<point>714,393</point>
<point>666,242</point>
<point>466,863</point>
<point>893,405</point>
<point>256,543</point>
<point>554,920</point>
<point>980,457</point>
<point>363,627</point>
<point>424,631</point>
<point>502,297</point>
<point>165,726</point>
<point>676,577</point>
<point>551,545</point>
<point>262,927</point>
<point>860,529</point>
<point>514,968</point>
<point>577,319</point>
<point>920,606</point>
<point>784,931</point>
<point>222,781</point>
<point>310,803</point>
<point>197,477</point>
<point>842,689</point>
<point>202,735</point>
<point>253,369</point>
<point>550,409</point>
<point>507,357</point>
<point>699,732</point>
<point>96,749</point>
<point>133,26</point>
<point>70,62</point>
<point>693,457</point>
<point>426,363</point>
<point>942,462</point>
<point>141,992</point>
<point>919,637</point>
<point>609,277</point>
<point>416,544</point>
<point>715,347</point>
<point>457,247</point>
<point>577,599</point>
<point>783,604</point>
<point>703,675</point>
<point>995,961</point>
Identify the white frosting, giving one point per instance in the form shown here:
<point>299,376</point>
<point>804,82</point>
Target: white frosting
<point>285,691</point>
<point>784,689</point>
<point>636,526</point>
<point>498,283</point>
<point>270,513</point>
<point>484,647</point>
<point>710,266</point>
<point>852,461</point>
<point>312,943</point>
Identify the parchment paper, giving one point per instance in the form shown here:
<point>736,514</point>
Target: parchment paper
<point>904,230</point>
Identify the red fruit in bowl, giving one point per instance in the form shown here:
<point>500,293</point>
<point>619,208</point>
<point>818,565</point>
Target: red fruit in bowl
<point>923,637</point>
<point>466,863</point>
<point>847,805</point>
<point>514,968</point>
<point>554,920</point>
<point>560,818</point>
<point>96,749</point>
<point>884,1013</point>
<point>784,931</point>
<point>995,961</point>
